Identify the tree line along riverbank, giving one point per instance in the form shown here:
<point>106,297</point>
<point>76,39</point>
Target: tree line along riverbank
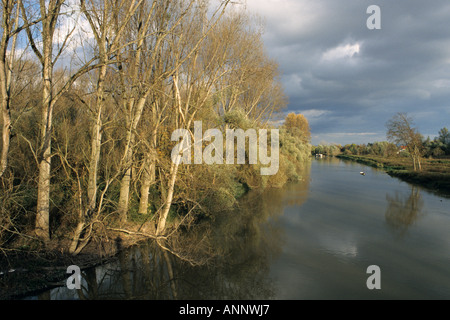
<point>90,151</point>
<point>435,173</point>
<point>86,151</point>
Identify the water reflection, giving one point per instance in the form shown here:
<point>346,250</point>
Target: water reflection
<point>309,240</point>
<point>403,210</point>
<point>244,242</point>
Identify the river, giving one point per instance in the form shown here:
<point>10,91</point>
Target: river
<point>309,240</point>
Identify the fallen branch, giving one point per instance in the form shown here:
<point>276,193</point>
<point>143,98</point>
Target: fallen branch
<point>134,233</point>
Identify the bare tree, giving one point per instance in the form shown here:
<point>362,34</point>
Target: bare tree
<point>101,16</point>
<point>156,29</point>
<point>401,131</point>
<point>192,87</point>
<point>251,84</point>
<point>50,12</point>
<point>8,22</point>
<point>99,134</point>
<point>135,75</point>
<point>10,10</point>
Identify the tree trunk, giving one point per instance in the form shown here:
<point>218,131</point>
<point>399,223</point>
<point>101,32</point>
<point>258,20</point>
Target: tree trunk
<point>128,157</point>
<point>126,179</point>
<point>5,80</point>
<point>163,217</point>
<point>6,113</point>
<point>43,200</point>
<point>96,142</point>
<point>6,135</point>
<point>147,180</point>
<point>417,155</point>
<point>149,175</point>
<point>94,161</point>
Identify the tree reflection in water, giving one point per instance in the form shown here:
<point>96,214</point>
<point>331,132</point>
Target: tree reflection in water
<point>403,211</point>
<point>241,243</point>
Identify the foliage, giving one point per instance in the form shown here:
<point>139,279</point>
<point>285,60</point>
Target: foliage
<point>383,149</point>
<point>297,125</point>
<point>439,146</point>
<point>104,130</point>
<point>329,150</point>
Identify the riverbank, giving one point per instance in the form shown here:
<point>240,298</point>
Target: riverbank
<point>435,174</point>
<point>35,268</point>
<point>30,265</point>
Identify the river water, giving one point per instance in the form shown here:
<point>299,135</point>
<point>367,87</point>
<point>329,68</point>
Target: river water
<point>310,240</point>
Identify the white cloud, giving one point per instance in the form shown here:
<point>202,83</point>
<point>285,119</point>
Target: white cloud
<point>74,22</point>
<point>341,52</point>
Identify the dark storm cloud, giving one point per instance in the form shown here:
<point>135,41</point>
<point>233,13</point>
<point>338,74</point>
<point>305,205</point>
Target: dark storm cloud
<point>349,80</point>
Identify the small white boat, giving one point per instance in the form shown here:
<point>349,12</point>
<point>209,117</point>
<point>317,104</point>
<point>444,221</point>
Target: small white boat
<point>362,173</point>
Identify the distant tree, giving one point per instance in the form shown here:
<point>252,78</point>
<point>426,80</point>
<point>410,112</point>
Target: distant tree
<point>444,138</point>
<point>329,149</point>
<point>382,149</point>
<point>298,125</point>
<point>334,150</point>
<point>391,149</point>
<point>400,130</point>
<point>437,151</point>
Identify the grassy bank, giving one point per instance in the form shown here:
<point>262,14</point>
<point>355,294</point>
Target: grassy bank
<point>435,174</point>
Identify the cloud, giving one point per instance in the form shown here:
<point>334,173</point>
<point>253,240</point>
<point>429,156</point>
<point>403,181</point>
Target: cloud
<point>73,28</point>
<point>358,78</point>
<point>341,52</point>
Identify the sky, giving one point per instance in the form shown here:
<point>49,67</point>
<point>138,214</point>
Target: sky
<point>346,79</point>
<point>349,80</point>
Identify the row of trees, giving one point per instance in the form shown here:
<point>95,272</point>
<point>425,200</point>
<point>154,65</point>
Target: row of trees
<point>382,149</point>
<point>88,143</point>
<point>404,140</point>
<point>330,150</point>
<point>439,146</point>
<point>379,148</point>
